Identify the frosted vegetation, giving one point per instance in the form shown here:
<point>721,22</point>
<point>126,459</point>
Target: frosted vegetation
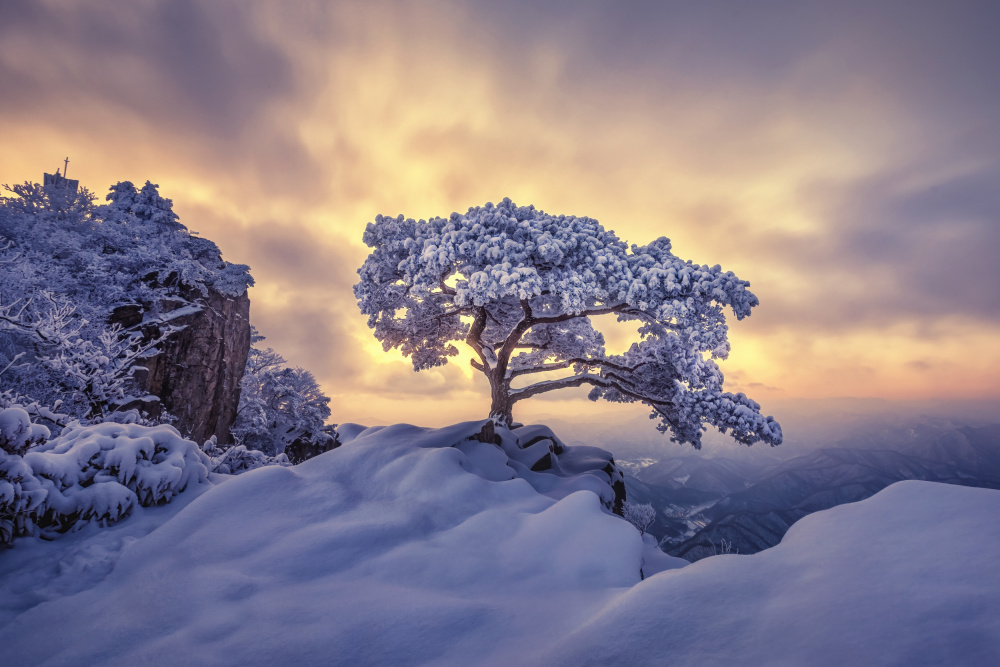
<point>66,264</point>
<point>89,473</point>
<point>282,411</point>
<point>520,286</point>
<point>640,515</point>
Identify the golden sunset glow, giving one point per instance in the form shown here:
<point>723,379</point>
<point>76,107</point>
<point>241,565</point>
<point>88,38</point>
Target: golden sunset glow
<point>281,134</point>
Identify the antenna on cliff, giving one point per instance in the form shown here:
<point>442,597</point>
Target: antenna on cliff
<point>58,180</point>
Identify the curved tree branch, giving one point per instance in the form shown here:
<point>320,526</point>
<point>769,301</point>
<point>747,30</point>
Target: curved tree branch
<point>610,382</point>
<point>603,363</point>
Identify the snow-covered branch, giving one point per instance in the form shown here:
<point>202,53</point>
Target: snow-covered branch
<point>562,383</point>
<point>99,370</point>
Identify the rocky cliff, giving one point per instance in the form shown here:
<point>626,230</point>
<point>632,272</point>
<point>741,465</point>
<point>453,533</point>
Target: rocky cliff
<point>197,373</point>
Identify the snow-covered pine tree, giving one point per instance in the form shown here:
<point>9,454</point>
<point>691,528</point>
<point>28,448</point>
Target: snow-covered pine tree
<point>639,515</point>
<point>282,409</point>
<point>520,287</point>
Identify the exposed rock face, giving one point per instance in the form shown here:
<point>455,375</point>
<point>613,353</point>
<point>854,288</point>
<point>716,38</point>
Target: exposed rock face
<point>539,450</point>
<point>197,373</point>
<point>302,449</point>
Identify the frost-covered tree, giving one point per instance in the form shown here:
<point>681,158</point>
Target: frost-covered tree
<point>131,249</point>
<point>237,459</point>
<point>640,516</point>
<point>520,287</point>
<point>96,374</point>
<point>282,409</point>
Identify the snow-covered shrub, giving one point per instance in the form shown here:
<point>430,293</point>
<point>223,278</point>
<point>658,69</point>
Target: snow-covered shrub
<point>18,433</point>
<point>20,493</point>
<point>639,515</point>
<point>282,409</point>
<point>100,472</point>
<point>97,472</point>
<point>237,459</point>
<point>724,547</point>
<point>20,497</point>
<point>94,374</point>
<point>11,398</point>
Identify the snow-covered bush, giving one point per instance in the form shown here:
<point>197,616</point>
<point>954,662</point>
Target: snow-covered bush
<point>102,471</point>
<point>282,409</point>
<point>519,286</point>
<point>20,497</point>
<point>20,493</point>
<point>725,547</point>
<point>238,459</point>
<point>93,374</point>
<point>639,515</point>
<point>18,433</point>
<point>97,472</point>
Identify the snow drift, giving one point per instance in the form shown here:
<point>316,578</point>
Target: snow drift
<point>415,546</point>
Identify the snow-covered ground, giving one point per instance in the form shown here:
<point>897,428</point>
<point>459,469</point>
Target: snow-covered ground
<point>400,549</point>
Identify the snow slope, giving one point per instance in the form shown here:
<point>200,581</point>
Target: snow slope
<point>400,549</point>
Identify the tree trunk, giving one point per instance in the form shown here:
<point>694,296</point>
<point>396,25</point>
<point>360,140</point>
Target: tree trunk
<point>501,408</point>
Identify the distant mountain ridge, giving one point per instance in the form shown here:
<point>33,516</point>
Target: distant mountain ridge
<point>708,505</point>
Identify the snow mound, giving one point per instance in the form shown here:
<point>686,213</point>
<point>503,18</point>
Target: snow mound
<point>907,577</point>
<point>416,546</point>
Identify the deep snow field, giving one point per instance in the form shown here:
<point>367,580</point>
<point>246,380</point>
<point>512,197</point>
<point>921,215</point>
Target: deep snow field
<point>418,546</point>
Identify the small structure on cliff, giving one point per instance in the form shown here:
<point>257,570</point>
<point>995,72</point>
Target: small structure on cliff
<point>60,181</point>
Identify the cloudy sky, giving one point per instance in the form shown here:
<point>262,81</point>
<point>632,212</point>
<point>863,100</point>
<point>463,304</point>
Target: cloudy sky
<point>844,157</point>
